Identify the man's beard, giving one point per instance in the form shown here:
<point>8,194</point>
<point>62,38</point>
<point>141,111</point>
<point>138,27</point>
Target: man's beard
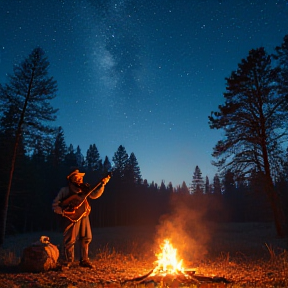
<point>82,186</point>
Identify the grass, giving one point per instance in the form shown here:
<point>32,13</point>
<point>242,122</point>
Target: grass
<point>223,265</point>
<point>9,258</point>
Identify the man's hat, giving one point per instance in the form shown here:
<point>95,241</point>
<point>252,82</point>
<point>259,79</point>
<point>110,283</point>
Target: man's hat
<point>75,172</point>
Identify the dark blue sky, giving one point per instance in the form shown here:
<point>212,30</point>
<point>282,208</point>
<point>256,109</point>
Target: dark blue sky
<point>142,74</point>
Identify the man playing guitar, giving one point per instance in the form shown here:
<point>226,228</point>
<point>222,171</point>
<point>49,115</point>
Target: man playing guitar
<point>71,202</point>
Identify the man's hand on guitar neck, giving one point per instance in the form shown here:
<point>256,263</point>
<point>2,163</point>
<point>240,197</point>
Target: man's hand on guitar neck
<point>106,180</point>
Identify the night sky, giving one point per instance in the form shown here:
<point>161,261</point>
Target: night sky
<point>144,74</point>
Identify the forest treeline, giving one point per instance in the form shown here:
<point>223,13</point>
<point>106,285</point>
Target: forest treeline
<point>252,157</point>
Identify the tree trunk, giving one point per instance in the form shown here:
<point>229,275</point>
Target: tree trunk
<point>6,201</point>
<point>3,217</point>
<point>271,191</point>
<point>275,205</point>
<point>3,220</point>
<point>277,213</point>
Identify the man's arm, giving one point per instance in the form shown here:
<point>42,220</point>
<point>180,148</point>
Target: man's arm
<point>57,201</point>
<point>99,191</point>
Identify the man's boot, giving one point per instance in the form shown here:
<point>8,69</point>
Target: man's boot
<point>84,256</point>
<point>69,255</point>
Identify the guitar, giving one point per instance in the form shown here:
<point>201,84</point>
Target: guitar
<point>76,206</point>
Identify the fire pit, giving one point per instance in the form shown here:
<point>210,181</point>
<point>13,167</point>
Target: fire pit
<point>169,270</point>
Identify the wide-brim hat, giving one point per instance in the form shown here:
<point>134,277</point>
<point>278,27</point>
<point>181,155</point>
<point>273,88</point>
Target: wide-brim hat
<point>75,172</point>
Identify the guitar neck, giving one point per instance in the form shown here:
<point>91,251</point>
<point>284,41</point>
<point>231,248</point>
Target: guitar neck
<point>97,185</point>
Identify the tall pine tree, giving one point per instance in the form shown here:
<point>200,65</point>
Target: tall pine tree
<point>93,158</point>
<point>121,162</point>
<point>28,95</point>
<point>134,170</point>
<point>255,125</point>
<point>281,55</point>
<point>197,185</point>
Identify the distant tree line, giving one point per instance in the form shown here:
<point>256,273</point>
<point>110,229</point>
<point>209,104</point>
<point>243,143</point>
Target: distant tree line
<point>252,158</point>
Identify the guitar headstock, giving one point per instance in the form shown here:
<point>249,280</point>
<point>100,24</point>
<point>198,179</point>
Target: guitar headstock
<point>108,174</point>
<point>107,177</point>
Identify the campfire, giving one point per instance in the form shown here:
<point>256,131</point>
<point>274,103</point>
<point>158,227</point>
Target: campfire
<point>167,262</point>
<point>169,268</point>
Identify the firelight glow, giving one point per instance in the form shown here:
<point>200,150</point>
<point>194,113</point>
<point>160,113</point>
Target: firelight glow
<point>167,262</point>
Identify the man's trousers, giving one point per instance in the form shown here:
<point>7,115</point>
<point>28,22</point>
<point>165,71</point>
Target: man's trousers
<point>81,231</point>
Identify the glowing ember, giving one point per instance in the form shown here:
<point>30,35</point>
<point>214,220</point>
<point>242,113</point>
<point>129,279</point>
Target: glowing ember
<point>167,260</point>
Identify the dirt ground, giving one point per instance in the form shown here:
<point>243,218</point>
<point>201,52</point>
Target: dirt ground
<point>246,255</point>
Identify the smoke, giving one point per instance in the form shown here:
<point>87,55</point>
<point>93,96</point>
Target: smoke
<point>186,228</point>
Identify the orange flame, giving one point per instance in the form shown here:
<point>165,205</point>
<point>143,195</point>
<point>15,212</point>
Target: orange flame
<point>167,262</point>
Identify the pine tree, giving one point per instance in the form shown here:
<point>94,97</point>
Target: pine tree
<point>197,185</point>
<point>162,187</point>
<point>70,158</point>
<point>60,148</point>
<point>28,95</point>
<point>121,162</point>
<point>229,183</point>
<point>282,62</point>
<point>93,159</point>
<point>216,185</point>
<point>56,164</point>
<point>79,157</point>
<point>134,169</point>
<point>255,124</point>
<point>170,187</point>
<point>107,165</point>
<point>184,189</point>
<point>207,186</point>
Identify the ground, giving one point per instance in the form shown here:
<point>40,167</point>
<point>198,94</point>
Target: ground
<point>246,255</point>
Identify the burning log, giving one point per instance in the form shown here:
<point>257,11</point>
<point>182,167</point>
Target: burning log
<point>140,278</point>
<point>169,269</point>
<point>214,279</point>
<point>186,277</point>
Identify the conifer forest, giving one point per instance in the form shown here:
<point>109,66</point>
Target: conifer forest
<point>252,158</point>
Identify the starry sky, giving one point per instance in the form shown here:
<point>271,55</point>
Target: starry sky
<point>144,74</point>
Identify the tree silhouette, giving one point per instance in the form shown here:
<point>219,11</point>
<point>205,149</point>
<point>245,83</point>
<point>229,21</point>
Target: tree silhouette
<point>216,185</point>
<point>28,95</point>
<point>184,189</point>
<point>60,149</point>
<point>134,170</point>
<point>254,123</point>
<point>197,185</point>
<point>107,165</point>
<point>93,158</point>
<point>122,194</point>
<point>207,186</point>
<point>121,162</point>
<point>79,157</point>
<point>70,158</point>
<point>281,56</point>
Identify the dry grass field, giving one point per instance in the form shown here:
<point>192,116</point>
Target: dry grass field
<point>244,254</point>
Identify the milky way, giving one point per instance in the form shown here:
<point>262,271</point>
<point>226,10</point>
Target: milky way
<point>142,74</point>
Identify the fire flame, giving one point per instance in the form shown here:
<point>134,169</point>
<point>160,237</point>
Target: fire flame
<point>167,262</point>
